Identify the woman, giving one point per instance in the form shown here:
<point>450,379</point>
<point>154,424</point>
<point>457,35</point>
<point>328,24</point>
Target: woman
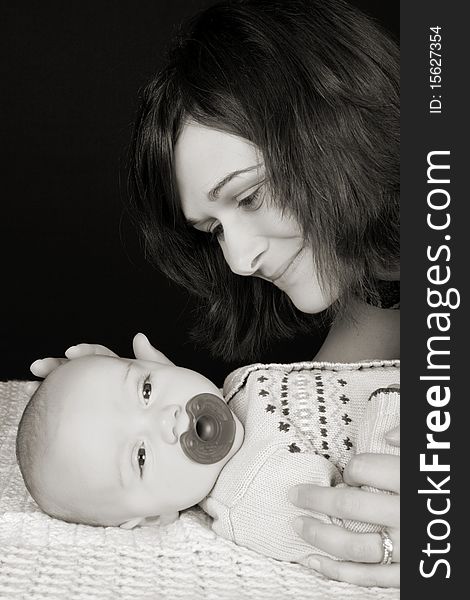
<point>265,180</point>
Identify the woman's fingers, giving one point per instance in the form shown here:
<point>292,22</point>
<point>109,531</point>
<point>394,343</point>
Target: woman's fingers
<point>359,574</point>
<point>87,349</point>
<point>393,436</point>
<point>44,366</point>
<point>31,387</point>
<point>347,545</point>
<point>144,350</point>
<point>348,503</point>
<point>381,471</point>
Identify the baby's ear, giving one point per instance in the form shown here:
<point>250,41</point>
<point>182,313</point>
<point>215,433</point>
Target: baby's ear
<point>132,523</point>
<point>165,519</point>
<point>168,518</point>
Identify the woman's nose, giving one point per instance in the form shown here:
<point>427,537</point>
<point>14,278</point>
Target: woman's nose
<point>243,251</point>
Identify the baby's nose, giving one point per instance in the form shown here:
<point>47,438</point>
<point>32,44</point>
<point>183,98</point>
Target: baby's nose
<point>172,422</point>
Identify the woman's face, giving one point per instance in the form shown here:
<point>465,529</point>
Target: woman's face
<point>221,182</point>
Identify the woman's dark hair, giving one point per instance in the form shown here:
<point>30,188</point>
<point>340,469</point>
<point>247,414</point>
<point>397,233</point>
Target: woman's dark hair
<point>314,84</point>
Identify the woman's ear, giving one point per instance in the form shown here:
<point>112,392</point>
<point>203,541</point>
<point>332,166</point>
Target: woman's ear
<point>132,523</point>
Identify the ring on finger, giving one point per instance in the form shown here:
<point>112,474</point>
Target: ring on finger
<point>387,546</point>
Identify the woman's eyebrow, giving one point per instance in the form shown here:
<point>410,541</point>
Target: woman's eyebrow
<point>215,191</point>
<point>213,194</point>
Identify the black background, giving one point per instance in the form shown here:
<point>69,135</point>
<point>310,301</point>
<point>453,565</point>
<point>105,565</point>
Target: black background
<point>72,268</point>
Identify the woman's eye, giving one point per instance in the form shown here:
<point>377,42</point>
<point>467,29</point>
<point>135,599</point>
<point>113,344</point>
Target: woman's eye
<point>141,456</point>
<point>147,389</point>
<point>253,201</point>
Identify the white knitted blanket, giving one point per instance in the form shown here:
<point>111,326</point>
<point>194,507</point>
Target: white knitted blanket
<point>45,559</point>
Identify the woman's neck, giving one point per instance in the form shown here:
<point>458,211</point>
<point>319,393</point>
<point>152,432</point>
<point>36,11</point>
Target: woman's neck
<point>371,333</point>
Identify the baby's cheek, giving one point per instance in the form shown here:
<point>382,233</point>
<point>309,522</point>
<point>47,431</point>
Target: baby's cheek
<point>141,501</point>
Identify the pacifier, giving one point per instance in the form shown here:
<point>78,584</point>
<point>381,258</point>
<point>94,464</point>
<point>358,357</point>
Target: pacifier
<point>211,430</point>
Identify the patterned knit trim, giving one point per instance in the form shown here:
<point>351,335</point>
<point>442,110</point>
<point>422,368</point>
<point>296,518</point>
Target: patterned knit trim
<point>237,379</point>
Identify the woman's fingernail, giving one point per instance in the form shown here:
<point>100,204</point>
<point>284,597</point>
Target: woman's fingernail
<point>298,525</point>
<point>314,563</point>
<point>393,436</point>
<point>293,495</point>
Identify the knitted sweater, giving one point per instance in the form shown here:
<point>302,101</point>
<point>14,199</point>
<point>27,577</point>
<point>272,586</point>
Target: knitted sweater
<point>303,422</point>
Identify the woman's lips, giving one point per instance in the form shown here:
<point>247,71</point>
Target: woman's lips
<point>283,271</point>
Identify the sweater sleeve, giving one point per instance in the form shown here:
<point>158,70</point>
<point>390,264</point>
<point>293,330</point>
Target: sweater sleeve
<point>257,514</point>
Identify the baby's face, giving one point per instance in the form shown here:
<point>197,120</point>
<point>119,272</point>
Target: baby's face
<point>114,450</point>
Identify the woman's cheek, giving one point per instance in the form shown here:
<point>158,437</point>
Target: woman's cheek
<point>305,291</point>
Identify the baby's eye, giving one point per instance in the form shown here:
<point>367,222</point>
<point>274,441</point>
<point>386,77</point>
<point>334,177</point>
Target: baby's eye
<point>141,456</point>
<point>147,389</point>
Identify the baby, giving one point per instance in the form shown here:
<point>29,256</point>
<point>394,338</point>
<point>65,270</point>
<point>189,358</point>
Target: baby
<point>116,442</point>
<point>101,441</point>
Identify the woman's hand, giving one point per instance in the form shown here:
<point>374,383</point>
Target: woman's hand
<point>361,553</point>
<point>143,350</point>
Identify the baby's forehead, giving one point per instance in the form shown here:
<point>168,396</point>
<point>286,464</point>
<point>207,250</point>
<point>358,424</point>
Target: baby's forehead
<point>95,365</point>
<point>85,378</point>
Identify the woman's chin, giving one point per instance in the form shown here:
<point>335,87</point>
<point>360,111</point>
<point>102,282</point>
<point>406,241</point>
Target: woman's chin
<point>309,309</point>
<point>310,305</point>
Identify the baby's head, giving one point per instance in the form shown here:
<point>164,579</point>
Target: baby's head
<point>112,441</point>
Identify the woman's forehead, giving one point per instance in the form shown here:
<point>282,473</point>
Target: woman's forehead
<point>205,156</point>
